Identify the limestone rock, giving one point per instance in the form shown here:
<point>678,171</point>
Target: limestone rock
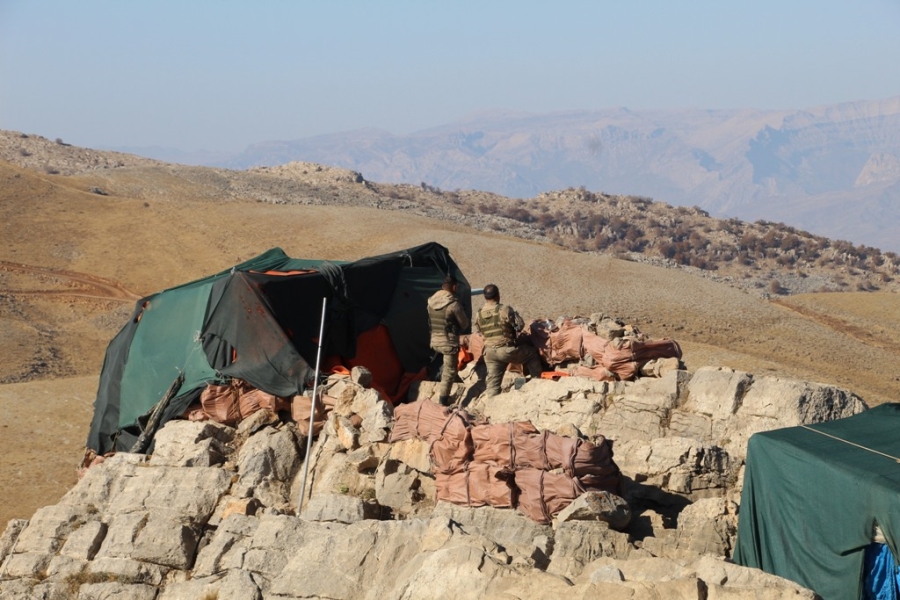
<point>403,488</point>
<point>116,591</point>
<point>182,443</point>
<point>377,416</point>
<point>361,376</point>
<point>267,462</point>
<point>598,506</point>
<point>14,527</point>
<point>577,543</point>
<point>226,548</point>
<point>338,508</point>
<point>233,585</point>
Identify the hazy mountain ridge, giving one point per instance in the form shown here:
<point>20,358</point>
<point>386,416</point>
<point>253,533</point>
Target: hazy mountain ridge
<point>745,163</point>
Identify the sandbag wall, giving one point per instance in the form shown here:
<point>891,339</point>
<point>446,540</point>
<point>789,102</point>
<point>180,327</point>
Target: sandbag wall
<point>620,356</point>
<point>572,342</point>
<point>230,403</point>
<point>506,465</point>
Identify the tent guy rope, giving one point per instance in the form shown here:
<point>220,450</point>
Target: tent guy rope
<point>834,437</point>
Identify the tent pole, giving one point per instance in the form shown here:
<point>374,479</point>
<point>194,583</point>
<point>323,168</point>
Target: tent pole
<point>312,410</point>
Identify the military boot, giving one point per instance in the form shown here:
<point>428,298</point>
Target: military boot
<point>444,400</point>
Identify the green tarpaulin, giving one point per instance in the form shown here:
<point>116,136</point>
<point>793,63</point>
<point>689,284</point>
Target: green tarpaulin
<point>812,495</point>
<point>259,321</point>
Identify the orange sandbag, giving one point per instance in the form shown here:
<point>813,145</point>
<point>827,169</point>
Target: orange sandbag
<point>463,358</point>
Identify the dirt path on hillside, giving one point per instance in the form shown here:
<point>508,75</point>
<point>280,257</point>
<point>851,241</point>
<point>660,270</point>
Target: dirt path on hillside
<point>83,284</point>
<point>844,326</point>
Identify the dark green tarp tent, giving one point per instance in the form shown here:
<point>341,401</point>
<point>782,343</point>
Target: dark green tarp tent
<point>812,495</point>
<point>259,321</point>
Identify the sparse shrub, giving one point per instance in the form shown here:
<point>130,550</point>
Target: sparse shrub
<point>776,288</point>
<point>546,220</point>
<point>489,208</point>
<point>51,170</point>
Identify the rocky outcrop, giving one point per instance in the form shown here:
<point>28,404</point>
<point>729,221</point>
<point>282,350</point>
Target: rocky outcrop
<point>214,511</point>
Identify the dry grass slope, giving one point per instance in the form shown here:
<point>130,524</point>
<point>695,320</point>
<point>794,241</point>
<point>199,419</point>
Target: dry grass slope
<point>74,258</point>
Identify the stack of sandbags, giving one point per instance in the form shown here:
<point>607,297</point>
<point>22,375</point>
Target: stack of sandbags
<point>606,350</point>
<point>231,402</point>
<point>458,478</point>
<point>549,469</point>
<point>506,465</point>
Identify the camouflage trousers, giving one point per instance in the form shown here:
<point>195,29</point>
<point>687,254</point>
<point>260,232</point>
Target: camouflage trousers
<point>450,368</point>
<point>496,359</point>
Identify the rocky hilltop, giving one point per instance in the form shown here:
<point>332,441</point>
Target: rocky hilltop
<point>765,258</point>
<point>213,512</point>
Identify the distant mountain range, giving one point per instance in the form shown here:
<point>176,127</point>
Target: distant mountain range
<point>831,170</point>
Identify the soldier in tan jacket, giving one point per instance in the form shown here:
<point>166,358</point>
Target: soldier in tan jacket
<point>447,319</point>
<point>500,325</point>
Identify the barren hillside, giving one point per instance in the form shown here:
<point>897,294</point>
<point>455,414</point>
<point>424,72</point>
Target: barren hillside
<point>81,245</point>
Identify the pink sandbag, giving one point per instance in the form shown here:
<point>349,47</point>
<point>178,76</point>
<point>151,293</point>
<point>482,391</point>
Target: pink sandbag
<point>545,450</point>
<point>595,468</point>
<point>475,345</point>
<point>543,494</point>
<point>560,451</point>
<point>496,443</point>
<point>300,409</point>
<point>477,484</point>
<point>252,400</point>
<point>556,343</point>
<point>597,373</point>
<point>422,419</point>
<point>453,447</point>
<point>220,403</point>
<point>625,357</point>
<point>593,345</point>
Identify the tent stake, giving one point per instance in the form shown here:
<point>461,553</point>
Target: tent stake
<point>312,411</point>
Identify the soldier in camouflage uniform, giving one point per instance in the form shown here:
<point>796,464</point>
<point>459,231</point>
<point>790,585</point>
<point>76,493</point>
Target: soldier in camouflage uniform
<point>447,319</point>
<point>500,324</point>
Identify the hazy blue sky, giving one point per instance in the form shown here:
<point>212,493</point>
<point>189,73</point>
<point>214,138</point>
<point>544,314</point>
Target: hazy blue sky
<point>219,75</point>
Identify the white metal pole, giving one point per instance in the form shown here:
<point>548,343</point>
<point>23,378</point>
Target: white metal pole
<point>312,411</point>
